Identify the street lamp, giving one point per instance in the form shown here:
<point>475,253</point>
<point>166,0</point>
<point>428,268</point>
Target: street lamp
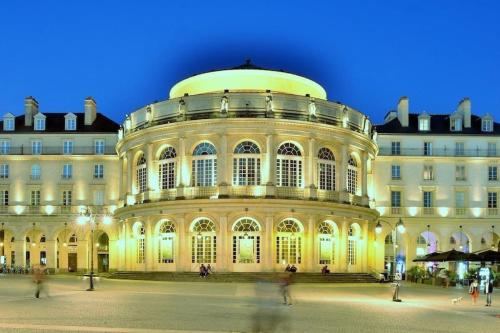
<point>87,216</point>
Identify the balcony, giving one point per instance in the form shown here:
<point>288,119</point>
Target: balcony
<point>446,152</point>
<point>58,150</point>
<point>458,212</point>
<point>48,210</point>
<point>492,211</point>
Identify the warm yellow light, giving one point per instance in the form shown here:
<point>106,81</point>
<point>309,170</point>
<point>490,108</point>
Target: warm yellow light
<point>247,80</point>
<point>443,211</point>
<point>81,220</point>
<point>130,200</point>
<point>107,220</point>
<point>49,209</point>
<point>412,211</point>
<point>64,244</point>
<point>1,244</point>
<point>112,209</point>
<point>476,211</point>
<point>381,210</point>
<point>19,209</point>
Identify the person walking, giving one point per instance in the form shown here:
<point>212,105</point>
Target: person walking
<point>285,283</point>
<point>474,291</point>
<point>38,277</point>
<point>488,289</point>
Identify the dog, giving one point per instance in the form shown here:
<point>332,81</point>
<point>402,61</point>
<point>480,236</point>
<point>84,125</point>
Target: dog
<point>457,300</point>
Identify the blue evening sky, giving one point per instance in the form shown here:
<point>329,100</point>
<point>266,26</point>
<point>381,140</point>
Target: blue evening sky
<point>365,53</point>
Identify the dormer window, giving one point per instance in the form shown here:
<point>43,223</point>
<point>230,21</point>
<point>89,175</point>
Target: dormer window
<point>487,124</point>
<point>8,122</point>
<point>39,122</point>
<point>70,122</point>
<point>456,124</point>
<point>424,122</point>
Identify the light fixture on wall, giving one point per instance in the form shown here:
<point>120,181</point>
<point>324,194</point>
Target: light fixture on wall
<point>3,237</point>
<point>65,234</point>
<point>461,246</point>
<point>33,243</point>
<point>492,237</point>
<point>428,242</point>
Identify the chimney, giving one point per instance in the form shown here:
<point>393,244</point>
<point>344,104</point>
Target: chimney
<point>403,106</point>
<point>30,109</point>
<point>464,109</point>
<point>90,111</point>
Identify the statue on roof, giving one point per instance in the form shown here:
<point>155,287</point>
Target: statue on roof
<point>269,104</point>
<point>224,105</point>
<point>312,108</point>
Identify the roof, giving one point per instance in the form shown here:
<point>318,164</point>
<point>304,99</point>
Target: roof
<point>440,124</point>
<point>55,123</point>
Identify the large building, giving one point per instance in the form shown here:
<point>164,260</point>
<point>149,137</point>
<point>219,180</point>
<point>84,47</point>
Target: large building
<point>249,170</point>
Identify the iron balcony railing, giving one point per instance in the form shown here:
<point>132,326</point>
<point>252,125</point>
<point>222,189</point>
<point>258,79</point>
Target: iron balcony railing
<point>450,152</point>
<point>58,150</point>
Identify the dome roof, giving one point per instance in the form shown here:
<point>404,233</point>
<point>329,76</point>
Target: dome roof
<point>247,77</point>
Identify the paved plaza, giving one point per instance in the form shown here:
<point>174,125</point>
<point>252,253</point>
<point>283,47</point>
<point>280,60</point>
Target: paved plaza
<point>145,306</point>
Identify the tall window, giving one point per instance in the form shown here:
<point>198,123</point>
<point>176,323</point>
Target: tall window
<point>352,176</point>
<point>487,125</point>
<point>459,149</point>
<point>492,149</point>
<point>460,173</point>
<point>395,148</point>
<point>204,165</point>
<point>8,124</point>
<point>67,171</point>
<point>36,147</point>
<point>492,173</point>
<point>203,242</point>
<point>36,172</point>
<point>4,171</point>
<point>492,200</point>
<point>71,124</point>
<point>39,124</point>
<point>98,198</point>
<point>246,164</point>
<point>427,148</point>
<point>4,197</point>
<point>98,171</point>
<point>141,174</point>
<point>395,172</point>
<point>327,244</point>
<point>35,198</point>
<point>4,147</point>
<point>289,242</point>
<point>460,203</point>
<point>395,199</point>
<point>166,243</point>
<point>326,169</point>
<point>427,198</point>
<point>66,198</point>
<point>424,124</point>
<point>428,172</point>
<point>140,234</point>
<point>99,147</point>
<point>289,165</point>
<point>246,241</point>
<point>166,168</point>
<point>67,147</point>
<point>351,246</point>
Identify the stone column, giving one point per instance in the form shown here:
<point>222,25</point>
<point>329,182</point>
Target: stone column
<point>343,237</point>
<point>364,172</point>
<point>150,174</point>
<point>149,243</point>
<point>120,184</point>
<point>270,164</point>
<point>51,248</point>
<point>20,248</point>
<point>223,173</point>
<point>222,249</point>
<point>341,171</point>
<point>308,170</point>
<point>267,249</point>
<point>114,255</point>
<point>130,176</point>
<point>127,263</point>
<point>83,255</point>
<point>181,155</point>
<point>310,244</point>
<point>364,246</point>
<point>183,255</point>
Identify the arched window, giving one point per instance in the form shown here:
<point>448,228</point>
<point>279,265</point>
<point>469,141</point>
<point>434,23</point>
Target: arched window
<point>246,241</point>
<point>203,242</point>
<point>327,244</point>
<point>289,242</point>
<point>246,164</point>
<point>204,165</point>
<point>326,169</point>
<point>352,176</point>
<point>140,237</point>
<point>166,242</point>
<point>166,168</point>
<point>142,174</point>
<point>289,166</point>
<point>352,245</point>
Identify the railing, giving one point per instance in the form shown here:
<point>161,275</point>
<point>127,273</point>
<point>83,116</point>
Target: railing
<point>289,192</point>
<point>247,191</point>
<point>461,212</point>
<point>58,150</point>
<point>48,209</point>
<point>449,152</point>
<point>168,194</point>
<point>325,195</point>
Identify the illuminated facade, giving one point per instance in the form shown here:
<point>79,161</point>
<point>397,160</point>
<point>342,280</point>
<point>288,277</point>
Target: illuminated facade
<point>245,169</point>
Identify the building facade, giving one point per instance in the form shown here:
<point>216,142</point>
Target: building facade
<point>248,170</point>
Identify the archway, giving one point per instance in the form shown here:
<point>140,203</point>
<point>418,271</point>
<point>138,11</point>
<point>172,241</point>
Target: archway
<point>246,244</point>
<point>328,236</point>
<point>395,253</point>
<point>289,242</point>
<point>103,252</point>
<point>203,242</point>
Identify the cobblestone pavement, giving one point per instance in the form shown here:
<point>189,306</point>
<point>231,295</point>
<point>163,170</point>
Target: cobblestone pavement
<point>139,306</point>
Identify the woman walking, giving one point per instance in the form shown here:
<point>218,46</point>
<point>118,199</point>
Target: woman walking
<point>474,291</point>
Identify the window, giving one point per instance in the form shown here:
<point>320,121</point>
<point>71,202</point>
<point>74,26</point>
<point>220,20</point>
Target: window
<point>141,248</point>
<point>67,147</point>
<point>142,174</point>
<point>427,199</point>
<point>4,147</point>
<point>246,164</point>
<point>459,149</point>
<point>492,173</point>
<point>492,200</point>
<point>166,243</point>
<point>327,240</point>
<point>203,242</point>
<point>352,176</point>
<point>246,241</point>
<point>4,198</point>
<point>98,171</point>
<point>456,124</point>
<point>326,169</point>
<point>460,203</point>
<point>99,147</point>
<point>289,165</point>
<point>39,124</point>
<point>428,172</point>
<point>395,172</point>
<point>4,171</point>
<point>35,198</point>
<point>36,172</point>
<point>167,168</point>
<point>427,148</point>
<point>67,171</point>
<point>36,147</point>
<point>66,198</point>
<point>8,124</point>
<point>70,124</point>
<point>487,125</point>
<point>351,246</point>
<point>492,149</point>
<point>396,148</point>
<point>460,173</point>
<point>204,165</point>
<point>98,198</point>
<point>395,199</point>
<point>288,244</point>
<point>424,124</point>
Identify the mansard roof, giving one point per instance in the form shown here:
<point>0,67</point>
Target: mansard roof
<point>55,123</point>
<point>440,124</point>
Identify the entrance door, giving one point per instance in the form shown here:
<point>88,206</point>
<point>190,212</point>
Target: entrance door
<point>72,262</point>
<point>103,262</point>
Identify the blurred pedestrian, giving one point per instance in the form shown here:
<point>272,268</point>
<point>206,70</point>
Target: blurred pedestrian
<point>287,268</point>
<point>38,279</point>
<point>285,283</point>
<point>203,271</point>
<point>474,291</point>
<point>488,289</point>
